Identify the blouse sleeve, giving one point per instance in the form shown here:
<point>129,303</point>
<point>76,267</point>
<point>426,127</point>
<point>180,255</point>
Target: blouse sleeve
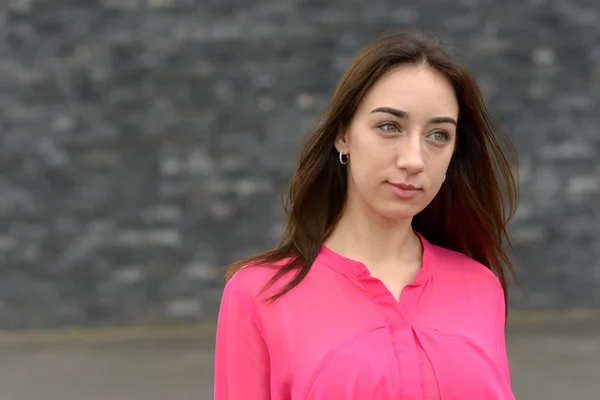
<point>241,356</point>
<point>501,352</point>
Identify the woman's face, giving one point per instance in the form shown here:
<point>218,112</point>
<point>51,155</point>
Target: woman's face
<point>400,142</point>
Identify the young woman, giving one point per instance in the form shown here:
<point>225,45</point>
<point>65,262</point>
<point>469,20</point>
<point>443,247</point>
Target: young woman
<point>390,280</point>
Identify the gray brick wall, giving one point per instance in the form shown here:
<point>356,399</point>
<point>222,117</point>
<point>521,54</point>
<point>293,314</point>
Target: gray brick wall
<point>145,143</point>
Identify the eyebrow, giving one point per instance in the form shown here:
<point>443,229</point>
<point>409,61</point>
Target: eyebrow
<point>403,114</point>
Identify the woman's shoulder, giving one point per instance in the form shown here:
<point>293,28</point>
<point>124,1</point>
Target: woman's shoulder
<point>251,279</point>
<point>456,265</point>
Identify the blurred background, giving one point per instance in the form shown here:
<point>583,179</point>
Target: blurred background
<point>144,144</point>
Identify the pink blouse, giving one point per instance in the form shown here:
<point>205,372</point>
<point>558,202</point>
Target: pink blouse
<point>341,335</point>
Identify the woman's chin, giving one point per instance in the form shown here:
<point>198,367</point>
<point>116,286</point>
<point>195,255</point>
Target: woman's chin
<point>398,212</point>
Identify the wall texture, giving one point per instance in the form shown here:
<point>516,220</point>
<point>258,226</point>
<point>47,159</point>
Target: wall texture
<point>145,143</point>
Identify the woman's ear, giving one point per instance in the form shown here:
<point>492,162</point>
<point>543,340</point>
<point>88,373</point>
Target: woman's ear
<point>341,140</point>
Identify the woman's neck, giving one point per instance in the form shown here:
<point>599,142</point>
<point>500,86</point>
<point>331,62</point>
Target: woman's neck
<point>377,242</point>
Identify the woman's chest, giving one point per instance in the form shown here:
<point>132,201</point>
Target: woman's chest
<point>388,362</point>
<point>364,344</point>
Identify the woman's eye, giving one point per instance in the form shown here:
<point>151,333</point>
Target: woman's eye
<point>389,127</point>
<point>440,136</point>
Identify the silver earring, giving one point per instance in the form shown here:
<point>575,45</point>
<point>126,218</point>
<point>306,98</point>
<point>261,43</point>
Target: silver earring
<point>443,180</point>
<point>342,159</point>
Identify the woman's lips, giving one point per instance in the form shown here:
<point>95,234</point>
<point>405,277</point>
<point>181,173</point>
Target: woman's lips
<point>404,190</point>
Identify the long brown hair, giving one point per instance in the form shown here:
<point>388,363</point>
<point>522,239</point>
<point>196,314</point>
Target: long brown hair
<point>468,215</point>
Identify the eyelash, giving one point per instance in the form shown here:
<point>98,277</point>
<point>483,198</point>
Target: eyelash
<point>381,126</point>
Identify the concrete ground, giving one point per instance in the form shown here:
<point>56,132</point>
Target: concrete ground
<point>552,355</point>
